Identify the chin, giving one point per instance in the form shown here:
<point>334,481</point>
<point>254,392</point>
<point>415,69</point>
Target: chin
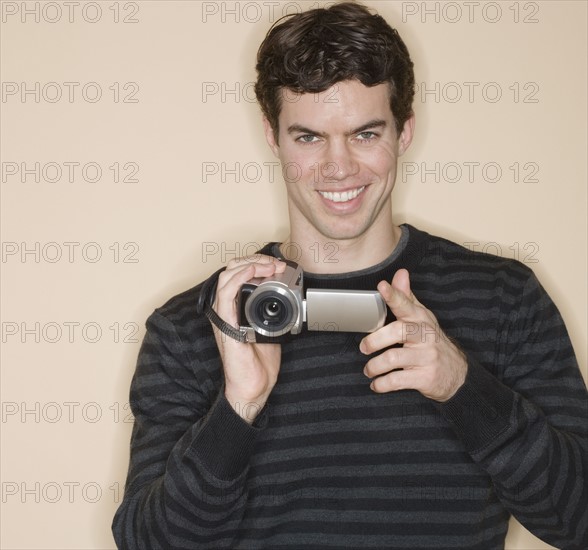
<point>342,233</point>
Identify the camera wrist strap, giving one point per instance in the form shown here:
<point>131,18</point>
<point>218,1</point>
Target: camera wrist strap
<point>224,327</point>
<point>204,305</point>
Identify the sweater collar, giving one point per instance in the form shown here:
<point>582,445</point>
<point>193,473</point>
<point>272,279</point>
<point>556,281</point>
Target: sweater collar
<point>408,253</point>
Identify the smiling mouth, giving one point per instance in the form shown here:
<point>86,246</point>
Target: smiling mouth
<point>344,196</point>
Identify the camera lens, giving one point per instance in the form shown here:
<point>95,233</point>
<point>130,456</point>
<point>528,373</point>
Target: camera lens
<point>271,312</point>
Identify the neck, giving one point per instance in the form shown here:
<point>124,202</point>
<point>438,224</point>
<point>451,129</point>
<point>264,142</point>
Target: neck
<point>322,255</point>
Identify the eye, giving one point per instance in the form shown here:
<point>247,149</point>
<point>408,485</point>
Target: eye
<point>307,138</point>
<point>367,136</point>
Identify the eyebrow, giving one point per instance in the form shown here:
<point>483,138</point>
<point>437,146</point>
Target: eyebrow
<point>376,123</point>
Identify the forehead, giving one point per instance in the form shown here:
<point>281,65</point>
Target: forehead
<point>344,105</point>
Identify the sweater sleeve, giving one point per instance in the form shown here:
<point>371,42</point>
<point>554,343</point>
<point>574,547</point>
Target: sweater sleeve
<point>189,457</point>
<point>527,427</point>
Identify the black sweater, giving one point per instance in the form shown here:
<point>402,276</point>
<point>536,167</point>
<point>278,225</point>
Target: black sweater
<point>330,464</point>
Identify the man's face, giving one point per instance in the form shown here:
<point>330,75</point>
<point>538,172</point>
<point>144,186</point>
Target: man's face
<point>339,151</point>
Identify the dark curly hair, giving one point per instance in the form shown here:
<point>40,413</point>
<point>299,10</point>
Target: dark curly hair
<point>311,51</point>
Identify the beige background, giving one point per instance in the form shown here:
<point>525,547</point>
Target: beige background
<point>176,114</point>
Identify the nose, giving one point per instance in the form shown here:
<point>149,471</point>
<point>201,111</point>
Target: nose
<point>339,162</point>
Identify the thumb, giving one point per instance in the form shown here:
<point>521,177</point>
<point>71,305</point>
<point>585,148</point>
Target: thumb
<point>398,295</point>
<point>401,281</point>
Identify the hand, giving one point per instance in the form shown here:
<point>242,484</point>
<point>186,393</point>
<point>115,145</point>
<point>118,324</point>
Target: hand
<point>251,370</point>
<point>431,363</point>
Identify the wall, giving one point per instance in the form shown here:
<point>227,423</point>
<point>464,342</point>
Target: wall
<point>133,165</point>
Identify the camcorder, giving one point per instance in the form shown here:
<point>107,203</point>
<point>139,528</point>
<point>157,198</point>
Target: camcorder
<point>273,308</point>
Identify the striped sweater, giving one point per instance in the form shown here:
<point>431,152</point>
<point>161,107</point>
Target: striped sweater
<point>330,464</point>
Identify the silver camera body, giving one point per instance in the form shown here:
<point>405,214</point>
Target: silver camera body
<point>275,307</point>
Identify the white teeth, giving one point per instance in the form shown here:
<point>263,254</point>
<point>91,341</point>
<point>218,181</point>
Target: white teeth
<point>342,197</point>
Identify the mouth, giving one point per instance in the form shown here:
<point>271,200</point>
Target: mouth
<point>343,196</point>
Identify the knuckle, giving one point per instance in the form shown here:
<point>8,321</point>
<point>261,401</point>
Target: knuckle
<point>372,368</point>
<point>224,294</point>
<point>235,262</point>
<point>392,356</point>
<point>253,259</point>
<point>367,344</point>
<point>377,385</point>
<point>387,383</point>
<point>223,278</point>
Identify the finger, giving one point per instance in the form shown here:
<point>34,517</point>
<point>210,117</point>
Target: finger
<point>407,379</point>
<point>258,259</point>
<point>401,281</point>
<point>384,337</point>
<point>231,280</point>
<point>227,289</point>
<point>399,297</point>
<point>401,305</point>
<point>395,358</point>
<point>254,269</point>
<point>230,283</point>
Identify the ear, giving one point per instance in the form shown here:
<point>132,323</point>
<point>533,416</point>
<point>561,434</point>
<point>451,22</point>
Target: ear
<point>405,138</point>
<point>270,137</point>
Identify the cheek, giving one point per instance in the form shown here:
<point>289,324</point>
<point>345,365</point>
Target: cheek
<point>296,167</point>
<point>381,160</point>
<point>301,166</point>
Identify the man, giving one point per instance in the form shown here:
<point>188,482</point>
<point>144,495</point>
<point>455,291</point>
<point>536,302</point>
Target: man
<point>427,433</point>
